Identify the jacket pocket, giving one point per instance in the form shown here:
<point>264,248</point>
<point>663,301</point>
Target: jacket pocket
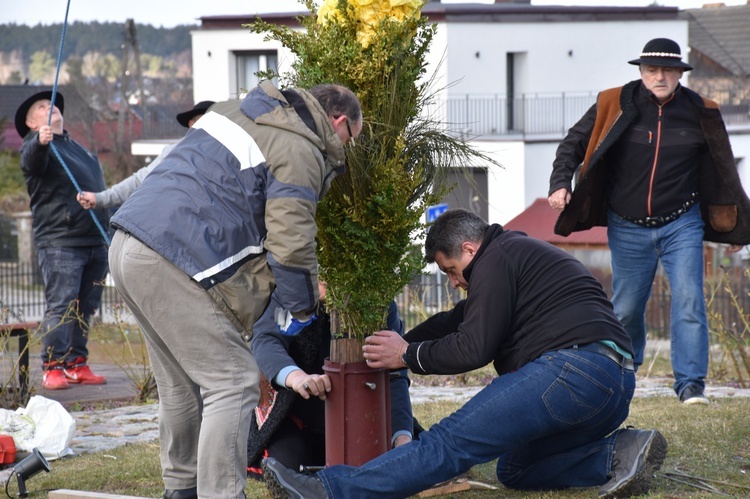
<point>245,295</point>
<point>723,218</point>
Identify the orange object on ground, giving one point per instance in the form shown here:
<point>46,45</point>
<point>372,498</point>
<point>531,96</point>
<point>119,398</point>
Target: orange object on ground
<point>7,449</point>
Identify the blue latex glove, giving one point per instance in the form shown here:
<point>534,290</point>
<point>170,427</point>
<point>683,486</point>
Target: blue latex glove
<point>288,325</point>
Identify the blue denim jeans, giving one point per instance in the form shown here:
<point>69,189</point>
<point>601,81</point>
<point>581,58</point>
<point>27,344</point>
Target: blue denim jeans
<point>678,245</point>
<point>72,291</point>
<point>549,424</point>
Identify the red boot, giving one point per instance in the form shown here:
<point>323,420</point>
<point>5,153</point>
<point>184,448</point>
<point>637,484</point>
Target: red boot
<point>54,379</point>
<point>78,372</point>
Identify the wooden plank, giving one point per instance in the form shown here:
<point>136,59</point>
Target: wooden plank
<point>448,488</point>
<point>80,494</point>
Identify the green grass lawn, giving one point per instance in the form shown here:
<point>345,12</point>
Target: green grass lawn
<point>712,442</point>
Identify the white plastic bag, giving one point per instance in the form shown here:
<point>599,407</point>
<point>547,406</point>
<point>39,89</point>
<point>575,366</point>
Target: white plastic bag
<point>44,424</point>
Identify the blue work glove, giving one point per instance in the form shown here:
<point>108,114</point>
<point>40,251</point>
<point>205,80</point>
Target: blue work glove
<point>295,327</point>
<point>288,325</point>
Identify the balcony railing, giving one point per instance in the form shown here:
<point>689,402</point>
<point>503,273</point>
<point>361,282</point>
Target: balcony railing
<point>530,114</point>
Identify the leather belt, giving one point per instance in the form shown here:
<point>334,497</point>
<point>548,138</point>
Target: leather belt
<point>608,352</point>
<point>654,222</point>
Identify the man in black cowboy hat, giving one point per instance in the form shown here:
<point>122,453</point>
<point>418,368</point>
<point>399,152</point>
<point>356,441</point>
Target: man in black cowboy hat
<point>118,193</point>
<point>71,249</point>
<point>658,171</point>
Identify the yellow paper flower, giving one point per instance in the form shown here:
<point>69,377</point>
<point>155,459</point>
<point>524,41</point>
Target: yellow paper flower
<point>329,10</point>
<point>369,13</point>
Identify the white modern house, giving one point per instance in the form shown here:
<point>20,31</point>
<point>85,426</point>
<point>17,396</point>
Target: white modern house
<point>511,78</point>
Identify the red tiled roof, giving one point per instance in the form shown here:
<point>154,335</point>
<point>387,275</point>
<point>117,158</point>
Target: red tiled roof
<point>538,220</point>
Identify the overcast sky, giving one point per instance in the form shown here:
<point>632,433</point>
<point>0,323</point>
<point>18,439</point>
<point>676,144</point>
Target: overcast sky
<point>170,13</point>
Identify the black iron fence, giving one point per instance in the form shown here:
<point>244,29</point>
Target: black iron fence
<point>728,296</point>
<point>22,294</point>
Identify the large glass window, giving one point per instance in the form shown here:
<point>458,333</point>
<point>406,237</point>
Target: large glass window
<point>248,65</point>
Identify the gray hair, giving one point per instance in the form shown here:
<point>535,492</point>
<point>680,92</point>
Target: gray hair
<point>451,230</point>
<point>337,100</point>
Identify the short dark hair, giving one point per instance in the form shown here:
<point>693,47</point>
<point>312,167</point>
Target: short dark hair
<point>451,230</point>
<point>337,100</point>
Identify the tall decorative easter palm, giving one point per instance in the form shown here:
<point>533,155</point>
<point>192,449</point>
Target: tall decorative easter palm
<point>369,219</point>
<point>372,214</point>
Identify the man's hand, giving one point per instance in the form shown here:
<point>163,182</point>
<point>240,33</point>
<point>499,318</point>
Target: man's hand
<point>87,200</point>
<point>45,135</point>
<point>384,350</point>
<point>559,198</point>
<point>309,384</point>
<point>401,440</point>
<point>734,248</point>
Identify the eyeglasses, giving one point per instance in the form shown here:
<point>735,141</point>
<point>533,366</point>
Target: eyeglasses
<point>349,129</point>
<point>351,142</point>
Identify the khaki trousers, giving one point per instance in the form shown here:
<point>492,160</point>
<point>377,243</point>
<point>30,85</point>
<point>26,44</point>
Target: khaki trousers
<point>206,375</point>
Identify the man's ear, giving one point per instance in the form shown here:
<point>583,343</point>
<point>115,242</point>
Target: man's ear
<point>31,123</point>
<point>470,247</point>
<point>335,122</point>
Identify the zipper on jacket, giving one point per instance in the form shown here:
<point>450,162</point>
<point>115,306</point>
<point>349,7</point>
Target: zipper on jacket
<point>656,154</point>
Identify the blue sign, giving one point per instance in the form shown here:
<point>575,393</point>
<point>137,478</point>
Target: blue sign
<point>435,211</point>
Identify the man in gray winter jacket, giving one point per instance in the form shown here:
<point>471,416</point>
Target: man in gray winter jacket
<point>224,221</point>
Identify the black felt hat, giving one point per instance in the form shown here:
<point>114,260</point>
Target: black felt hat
<point>200,108</point>
<point>662,52</point>
<point>23,109</point>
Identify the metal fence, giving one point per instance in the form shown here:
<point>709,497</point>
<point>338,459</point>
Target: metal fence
<point>22,298</point>
<point>531,114</point>
<point>22,294</point>
<point>527,114</point>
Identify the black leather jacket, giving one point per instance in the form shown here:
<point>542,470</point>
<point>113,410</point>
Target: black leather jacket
<point>57,217</point>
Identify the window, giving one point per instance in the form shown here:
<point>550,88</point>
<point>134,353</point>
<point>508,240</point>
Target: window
<point>249,63</point>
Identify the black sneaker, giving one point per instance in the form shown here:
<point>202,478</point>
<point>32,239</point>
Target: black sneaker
<point>638,454</point>
<point>284,483</point>
<point>181,494</point>
<point>693,394</point>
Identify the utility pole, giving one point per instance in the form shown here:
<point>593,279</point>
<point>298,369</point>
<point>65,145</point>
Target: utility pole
<point>132,39</point>
<point>130,49</point>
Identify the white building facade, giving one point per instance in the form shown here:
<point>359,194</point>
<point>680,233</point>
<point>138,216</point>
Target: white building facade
<point>511,78</point>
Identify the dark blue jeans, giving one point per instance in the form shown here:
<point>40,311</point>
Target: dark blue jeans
<point>550,425</point>
<point>636,252</point>
<point>73,286</point>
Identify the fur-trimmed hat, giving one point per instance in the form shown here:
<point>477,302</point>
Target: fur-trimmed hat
<point>662,52</point>
<point>23,109</point>
<point>200,108</point>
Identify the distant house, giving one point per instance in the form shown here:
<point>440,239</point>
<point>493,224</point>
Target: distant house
<point>720,53</point>
<point>11,96</point>
<point>95,131</point>
<point>538,221</point>
<point>511,77</point>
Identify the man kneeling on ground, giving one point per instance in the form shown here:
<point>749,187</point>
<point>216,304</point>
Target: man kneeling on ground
<point>564,386</point>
